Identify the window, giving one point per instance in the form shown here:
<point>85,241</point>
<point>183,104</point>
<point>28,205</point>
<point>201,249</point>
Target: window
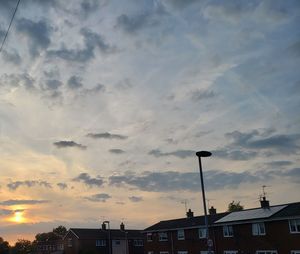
<point>149,237</point>
<point>227,231</point>
<point>70,242</point>
<point>163,237</point>
<point>258,228</point>
<point>230,251</point>
<point>266,252</point>
<point>163,252</point>
<point>295,251</point>
<point>182,252</point>
<point>138,242</point>
<point>202,233</point>
<point>180,234</point>
<point>206,252</point>
<point>294,226</point>
<point>100,242</point>
<point>150,252</point>
<point>117,242</point>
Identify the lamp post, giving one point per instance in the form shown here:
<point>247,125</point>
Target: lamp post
<point>109,240</point>
<point>199,155</point>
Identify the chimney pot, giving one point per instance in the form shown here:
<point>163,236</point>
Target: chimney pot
<point>122,226</point>
<point>189,214</point>
<point>212,211</point>
<point>264,203</point>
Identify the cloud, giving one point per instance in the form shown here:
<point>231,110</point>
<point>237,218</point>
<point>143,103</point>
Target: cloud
<point>106,135</point>
<point>135,199</point>
<point>62,186</point>
<point>278,164</point>
<point>37,33</point>
<point>116,151</point>
<point>285,143</point>
<point>234,154</point>
<point>88,180</point>
<point>18,80</point>
<point>189,181</point>
<point>75,82</point>
<point>198,95</point>
<point>91,42</point>
<point>52,84</point>
<point>12,202</point>
<point>90,6</point>
<point>179,153</point>
<point>11,56</point>
<point>28,183</point>
<point>5,212</point>
<point>182,3</point>
<point>101,197</point>
<point>65,144</point>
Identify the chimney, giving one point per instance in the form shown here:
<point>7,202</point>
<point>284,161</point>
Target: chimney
<point>212,211</point>
<point>122,227</point>
<point>189,214</point>
<point>264,203</point>
<point>103,226</point>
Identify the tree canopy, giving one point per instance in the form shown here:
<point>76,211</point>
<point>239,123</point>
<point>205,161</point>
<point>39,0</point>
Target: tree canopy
<point>235,206</point>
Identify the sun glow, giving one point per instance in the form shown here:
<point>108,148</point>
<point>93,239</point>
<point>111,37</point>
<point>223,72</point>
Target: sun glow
<point>18,217</point>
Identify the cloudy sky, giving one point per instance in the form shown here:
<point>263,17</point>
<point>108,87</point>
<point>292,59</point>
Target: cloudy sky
<point>103,104</point>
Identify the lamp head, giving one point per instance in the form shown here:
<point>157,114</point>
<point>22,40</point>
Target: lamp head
<point>203,154</point>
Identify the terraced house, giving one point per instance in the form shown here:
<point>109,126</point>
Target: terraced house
<point>264,230</point>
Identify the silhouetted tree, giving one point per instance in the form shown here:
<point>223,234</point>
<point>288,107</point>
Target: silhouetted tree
<point>22,246</point>
<point>60,230</point>
<point>235,206</point>
<point>4,246</point>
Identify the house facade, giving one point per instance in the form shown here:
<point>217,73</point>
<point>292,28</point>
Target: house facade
<point>104,241</point>
<point>263,230</point>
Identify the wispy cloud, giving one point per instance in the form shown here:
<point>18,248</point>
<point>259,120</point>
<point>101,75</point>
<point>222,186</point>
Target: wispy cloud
<point>65,144</point>
<point>178,153</point>
<point>28,183</point>
<point>135,199</point>
<point>88,180</point>
<point>12,202</point>
<point>106,135</point>
<point>101,197</point>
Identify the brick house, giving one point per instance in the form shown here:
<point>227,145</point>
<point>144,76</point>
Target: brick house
<point>104,241</point>
<point>264,230</point>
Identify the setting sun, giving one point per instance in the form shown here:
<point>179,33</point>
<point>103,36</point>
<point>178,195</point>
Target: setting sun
<point>18,217</point>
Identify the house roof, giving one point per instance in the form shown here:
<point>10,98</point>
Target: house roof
<point>96,233</point>
<point>192,222</point>
<point>251,214</point>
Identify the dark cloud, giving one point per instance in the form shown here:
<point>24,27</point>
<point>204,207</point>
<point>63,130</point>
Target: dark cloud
<point>234,154</point>
<point>88,180</point>
<point>198,95</point>
<point>6,212</point>
<point>11,56</point>
<point>182,3</point>
<point>18,80</point>
<point>37,33</point>
<point>65,144</point>
<point>28,183</point>
<point>179,153</point>
<point>91,42</point>
<point>94,90</point>
<point>278,164</point>
<point>62,186</point>
<point>134,23</point>
<point>75,82</point>
<point>116,151</point>
<point>214,179</point>
<point>135,199</point>
<point>101,197</point>
<point>12,202</point>
<point>106,135</point>
<point>285,143</point>
<point>90,6</point>
<point>52,84</point>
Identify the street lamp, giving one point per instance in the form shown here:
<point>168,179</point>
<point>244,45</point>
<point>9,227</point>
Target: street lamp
<point>109,242</point>
<point>199,155</point>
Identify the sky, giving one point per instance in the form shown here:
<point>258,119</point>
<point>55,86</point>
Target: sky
<point>103,104</point>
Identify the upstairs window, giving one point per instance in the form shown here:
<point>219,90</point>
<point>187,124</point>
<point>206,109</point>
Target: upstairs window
<point>294,226</point>
<point>149,237</point>
<point>228,231</point>
<point>266,252</point>
<point>295,251</point>
<point>138,242</point>
<point>182,252</point>
<point>230,252</point>
<point>163,237</point>
<point>70,242</point>
<point>202,233</point>
<point>180,234</point>
<point>100,243</point>
<point>258,228</point>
